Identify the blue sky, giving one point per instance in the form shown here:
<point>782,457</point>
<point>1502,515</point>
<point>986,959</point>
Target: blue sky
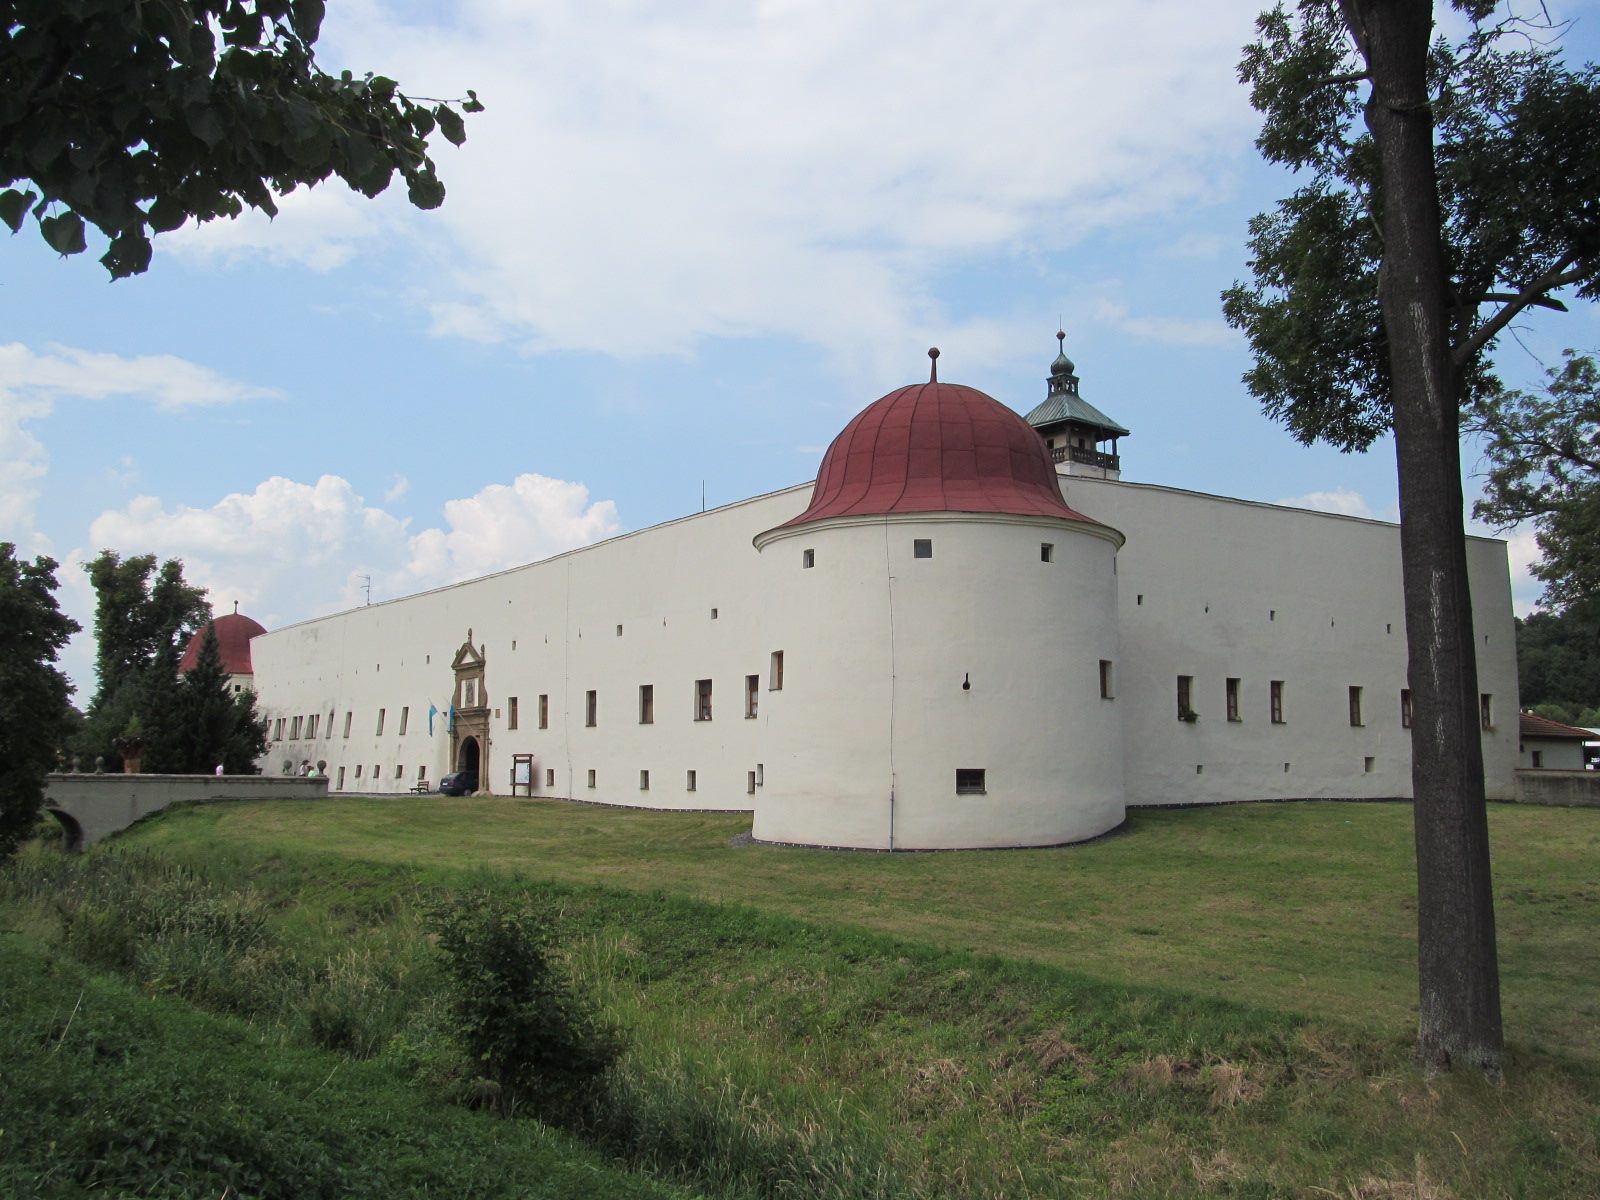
<point>681,248</point>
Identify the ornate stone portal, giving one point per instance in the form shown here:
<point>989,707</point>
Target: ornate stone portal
<point>469,742</point>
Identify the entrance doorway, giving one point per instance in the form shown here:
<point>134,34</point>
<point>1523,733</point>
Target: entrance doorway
<point>467,757</point>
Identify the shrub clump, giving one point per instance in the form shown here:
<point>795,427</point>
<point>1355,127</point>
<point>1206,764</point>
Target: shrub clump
<point>535,1039</point>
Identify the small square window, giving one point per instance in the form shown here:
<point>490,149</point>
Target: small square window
<point>619,630</point>
<point>970,781</point>
<point>808,558</point>
<point>689,782</point>
<point>922,548</point>
<point>1367,764</point>
<point>550,777</point>
<point>358,770</point>
<point>591,776</point>
<point>399,772</point>
<point>1538,758</point>
<point>644,781</point>
<point>1047,552</point>
<point>422,772</point>
<point>713,614</point>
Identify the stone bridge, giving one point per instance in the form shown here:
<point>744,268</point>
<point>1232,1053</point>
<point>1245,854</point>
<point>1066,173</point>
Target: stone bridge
<point>93,807</point>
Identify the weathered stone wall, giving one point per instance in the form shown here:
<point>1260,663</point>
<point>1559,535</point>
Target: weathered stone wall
<point>96,806</point>
<point>1566,789</point>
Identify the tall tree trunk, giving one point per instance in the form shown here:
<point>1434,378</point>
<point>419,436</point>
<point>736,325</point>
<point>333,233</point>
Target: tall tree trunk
<point>1458,975</point>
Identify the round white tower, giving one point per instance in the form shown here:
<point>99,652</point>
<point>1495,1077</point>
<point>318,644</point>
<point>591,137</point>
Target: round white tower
<point>945,640</point>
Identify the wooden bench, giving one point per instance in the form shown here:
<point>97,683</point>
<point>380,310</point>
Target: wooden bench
<point>421,788</point>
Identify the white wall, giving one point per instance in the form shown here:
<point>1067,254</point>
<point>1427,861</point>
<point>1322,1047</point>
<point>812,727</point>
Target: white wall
<point>551,628</point>
<point>1215,588</point>
<point>873,721</point>
<point>1555,754</point>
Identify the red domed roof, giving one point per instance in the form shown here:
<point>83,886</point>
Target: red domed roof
<point>937,447</point>
<point>234,632</point>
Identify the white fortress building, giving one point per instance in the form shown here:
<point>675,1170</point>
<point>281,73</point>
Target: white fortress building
<point>969,632</point>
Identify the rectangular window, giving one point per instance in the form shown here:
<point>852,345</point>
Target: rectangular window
<point>1368,764</point>
<point>422,772</point>
<point>1355,705</point>
<point>511,712</point>
<point>808,558</point>
<point>550,777</point>
<point>1186,698</point>
<point>1233,699</point>
<point>340,784</point>
<point>277,730</point>
<point>761,774</point>
<point>1108,683</point>
<point>1277,702</point>
<point>358,770</point>
<point>647,704</point>
<point>381,713</point>
<point>644,781</point>
<point>405,719</point>
<point>294,729</point>
<point>328,727</point>
<point>750,783</point>
<point>921,547</point>
<point>1047,552</point>
<point>544,712</point>
<point>591,708</point>
<point>311,725</point>
<point>689,783</point>
<point>399,772</point>
<point>752,690</point>
<point>1486,711</point>
<point>775,675</point>
<point>702,699</point>
<point>348,717</point>
<point>1405,708</point>
<point>969,781</point>
<point>1538,758</point>
<point>591,776</point>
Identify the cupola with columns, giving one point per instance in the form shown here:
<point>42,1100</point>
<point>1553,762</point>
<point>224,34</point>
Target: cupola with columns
<point>1074,430</point>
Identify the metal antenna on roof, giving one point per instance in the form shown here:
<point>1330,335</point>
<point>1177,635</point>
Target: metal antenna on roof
<point>702,495</point>
<point>933,368</point>
<point>236,608</point>
<point>366,584</point>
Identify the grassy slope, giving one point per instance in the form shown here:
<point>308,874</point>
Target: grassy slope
<point>108,1092</point>
<point>1306,908</point>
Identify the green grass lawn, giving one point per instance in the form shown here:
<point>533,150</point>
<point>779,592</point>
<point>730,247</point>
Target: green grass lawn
<point>1307,908</point>
<point>1210,1003</point>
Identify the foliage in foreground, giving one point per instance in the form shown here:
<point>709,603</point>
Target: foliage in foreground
<point>137,117</point>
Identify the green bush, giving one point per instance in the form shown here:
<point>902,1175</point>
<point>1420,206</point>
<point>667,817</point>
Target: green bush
<point>535,1039</point>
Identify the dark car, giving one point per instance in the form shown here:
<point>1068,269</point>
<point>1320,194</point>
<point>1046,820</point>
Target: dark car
<point>459,783</point>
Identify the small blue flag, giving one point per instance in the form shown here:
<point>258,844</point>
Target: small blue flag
<point>433,711</point>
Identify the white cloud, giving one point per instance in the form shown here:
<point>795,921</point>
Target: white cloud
<point>1338,500</point>
<point>291,550</point>
<point>319,228</point>
<point>396,489</point>
<point>646,177</point>
<point>1171,331</point>
<point>33,382</point>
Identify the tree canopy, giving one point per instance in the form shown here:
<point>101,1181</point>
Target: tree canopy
<point>1543,453</point>
<point>1518,189</point>
<point>137,117</point>
<point>34,712</point>
<point>1444,189</point>
<point>1558,666</point>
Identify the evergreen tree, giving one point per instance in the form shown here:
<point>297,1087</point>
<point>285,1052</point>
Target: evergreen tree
<point>206,711</point>
<point>33,693</point>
